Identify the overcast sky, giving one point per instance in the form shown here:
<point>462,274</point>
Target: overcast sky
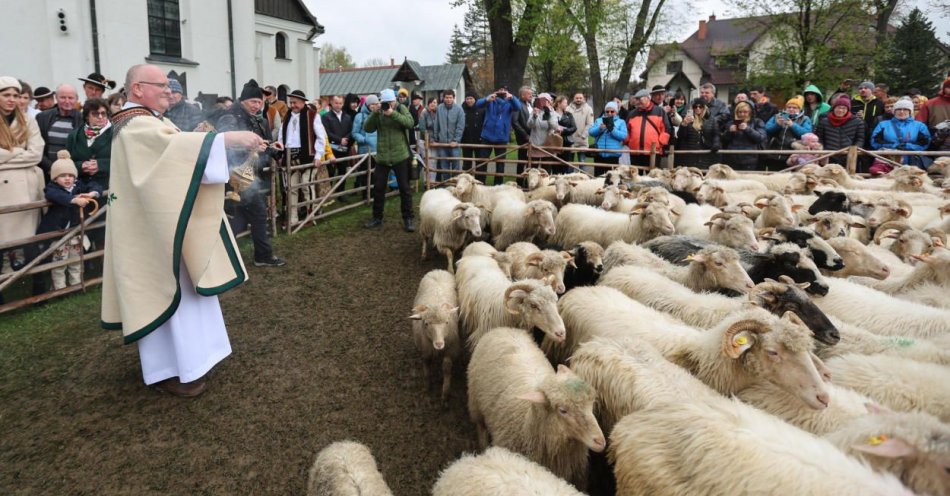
<point>420,29</point>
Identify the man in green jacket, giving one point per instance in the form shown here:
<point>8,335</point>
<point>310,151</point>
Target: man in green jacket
<point>390,122</point>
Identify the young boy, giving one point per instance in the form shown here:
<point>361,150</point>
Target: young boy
<point>68,195</point>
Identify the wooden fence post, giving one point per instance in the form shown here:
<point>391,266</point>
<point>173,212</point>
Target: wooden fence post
<point>852,161</point>
<point>652,156</point>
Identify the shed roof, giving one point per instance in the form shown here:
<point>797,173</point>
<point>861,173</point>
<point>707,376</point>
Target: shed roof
<point>362,81</point>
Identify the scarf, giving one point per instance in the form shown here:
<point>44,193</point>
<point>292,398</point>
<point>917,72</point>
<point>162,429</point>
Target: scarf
<point>838,121</point>
<point>92,133</point>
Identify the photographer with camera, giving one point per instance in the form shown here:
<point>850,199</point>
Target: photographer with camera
<point>784,128</point>
<point>500,108</point>
<point>391,121</point>
<point>609,133</point>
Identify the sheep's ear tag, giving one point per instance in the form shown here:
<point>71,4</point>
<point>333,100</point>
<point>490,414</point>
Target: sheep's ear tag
<point>740,343</point>
<point>885,446</point>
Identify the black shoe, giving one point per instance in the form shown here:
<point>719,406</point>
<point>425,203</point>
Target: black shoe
<point>273,262</point>
<point>373,223</point>
<point>407,225</point>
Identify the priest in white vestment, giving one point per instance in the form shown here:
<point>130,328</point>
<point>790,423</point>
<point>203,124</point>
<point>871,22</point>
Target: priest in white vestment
<point>169,250</point>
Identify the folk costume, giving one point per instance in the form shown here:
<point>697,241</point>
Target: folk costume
<point>169,250</point>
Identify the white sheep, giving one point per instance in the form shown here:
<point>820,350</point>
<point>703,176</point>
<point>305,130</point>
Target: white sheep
<point>435,325</point>
<point>710,269</point>
<point>689,440</point>
<point>471,190</point>
<point>776,211</point>
<point>514,220</point>
<point>578,223</point>
<point>834,224</point>
<point>586,192</point>
<point>777,181</point>
<point>857,340</point>
<point>498,471</point>
<point>844,405</point>
<point>898,383</point>
<point>746,348</point>
<point>913,445</point>
<point>882,313</point>
<point>859,260</point>
<point>530,262</point>
<point>933,268</point>
<point>728,229</point>
<point>686,178</point>
<point>516,397</point>
<point>908,241</point>
<point>446,221</point>
<point>346,468</point>
<point>482,248</point>
<point>488,299</point>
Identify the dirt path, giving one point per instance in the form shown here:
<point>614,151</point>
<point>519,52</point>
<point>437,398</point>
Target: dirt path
<point>321,353</point>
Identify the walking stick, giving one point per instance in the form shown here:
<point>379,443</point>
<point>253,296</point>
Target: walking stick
<point>82,237</point>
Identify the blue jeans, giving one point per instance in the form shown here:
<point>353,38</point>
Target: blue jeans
<point>442,154</point>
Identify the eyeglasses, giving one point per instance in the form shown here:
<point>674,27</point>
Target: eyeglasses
<point>101,113</point>
<point>163,86</point>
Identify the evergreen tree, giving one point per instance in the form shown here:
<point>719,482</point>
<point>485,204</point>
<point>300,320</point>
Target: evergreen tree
<point>457,52</point>
<point>912,58</point>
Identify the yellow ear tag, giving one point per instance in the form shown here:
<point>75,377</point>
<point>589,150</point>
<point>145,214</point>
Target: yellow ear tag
<point>690,257</point>
<point>742,340</point>
<point>876,440</point>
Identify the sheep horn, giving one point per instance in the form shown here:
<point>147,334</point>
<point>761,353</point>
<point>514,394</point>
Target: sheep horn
<point>534,257</point>
<point>898,225</point>
<point>514,287</point>
<point>903,204</point>
<point>721,215</point>
<point>695,170</point>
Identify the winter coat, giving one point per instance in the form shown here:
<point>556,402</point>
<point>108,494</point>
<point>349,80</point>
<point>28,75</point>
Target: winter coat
<point>449,123</point>
<point>646,126</point>
<point>900,134</point>
<point>519,123</point>
<point>496,128</point>
<point>101,150</point>
<point>872,108</point>
<point>426,124</point>
<point>806,155</point>
<point>21,181</point>
<point>583,118</point>
<point>184,115</point>
<point>63,213</point>
<point>819,109</point>
<point>568,128</point>
<point>540,125</point>
<point>935,111</point>
<point>718,111</point>
<point>751,138</point>
<point>392,146</point>
<point>474,117</point>
<point>688,138</point>
<point>781,137</point>
<point>337,128</point>
<point>837,137</point>
<point>608,139</point>
<point>365,141</point>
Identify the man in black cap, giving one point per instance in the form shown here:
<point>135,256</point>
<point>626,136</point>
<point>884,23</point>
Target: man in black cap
<point>251,209</point>
<point>94,85</point>
<point>44,98</point>
<point>304,141</point>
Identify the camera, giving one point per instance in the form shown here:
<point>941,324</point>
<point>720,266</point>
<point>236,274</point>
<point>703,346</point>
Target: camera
<point>608,123</point>
<point>501,94</point>
<point>384,106</point>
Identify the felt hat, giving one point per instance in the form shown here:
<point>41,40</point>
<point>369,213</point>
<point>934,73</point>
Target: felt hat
<point>251,90</point>
<point>297,94</point>
<point>658,89</point>
<point>42,92</point>
<point>10,82</point>
<point>797,100</point>
<point>175,86</point>
<point>99,80</point>
<point>387,95</point>
<point>63,165</point>
<point>269,90</point>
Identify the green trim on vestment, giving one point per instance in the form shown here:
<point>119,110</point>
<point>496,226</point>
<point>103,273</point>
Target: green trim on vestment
<point>235,264</point>
<point>183,218</point>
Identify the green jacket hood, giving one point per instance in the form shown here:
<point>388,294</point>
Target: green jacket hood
<point>814,89</point>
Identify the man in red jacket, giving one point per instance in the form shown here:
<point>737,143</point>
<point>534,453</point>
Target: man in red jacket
<point>648,127</point>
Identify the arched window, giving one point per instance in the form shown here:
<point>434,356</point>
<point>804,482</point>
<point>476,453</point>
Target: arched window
<point>280,43</point>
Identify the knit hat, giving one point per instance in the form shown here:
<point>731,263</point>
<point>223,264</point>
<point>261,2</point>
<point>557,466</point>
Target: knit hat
<point>809,138</point>
<point>841,100</point>
<point>10,82</point>
<point>904,103</point>
<point>175,86</point>
<point>371,100</point>
<point>42,92</point>
<point>866,84</point>
<point>403,92</point>
<point>251,90</point>
<point>797,100</point>
<point>387,95</point>
<point>63,165</point>
<point>641,94</point>
<point>611,106</point>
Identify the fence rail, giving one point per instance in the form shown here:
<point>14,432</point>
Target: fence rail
<point>316,205</point>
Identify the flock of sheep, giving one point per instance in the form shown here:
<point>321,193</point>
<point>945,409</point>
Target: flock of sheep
<point>711,332</point>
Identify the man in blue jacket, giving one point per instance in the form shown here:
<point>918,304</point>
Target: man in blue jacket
<point>496,130</point>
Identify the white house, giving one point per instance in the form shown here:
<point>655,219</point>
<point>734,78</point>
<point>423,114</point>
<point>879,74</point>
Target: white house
<point>212,46</point>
